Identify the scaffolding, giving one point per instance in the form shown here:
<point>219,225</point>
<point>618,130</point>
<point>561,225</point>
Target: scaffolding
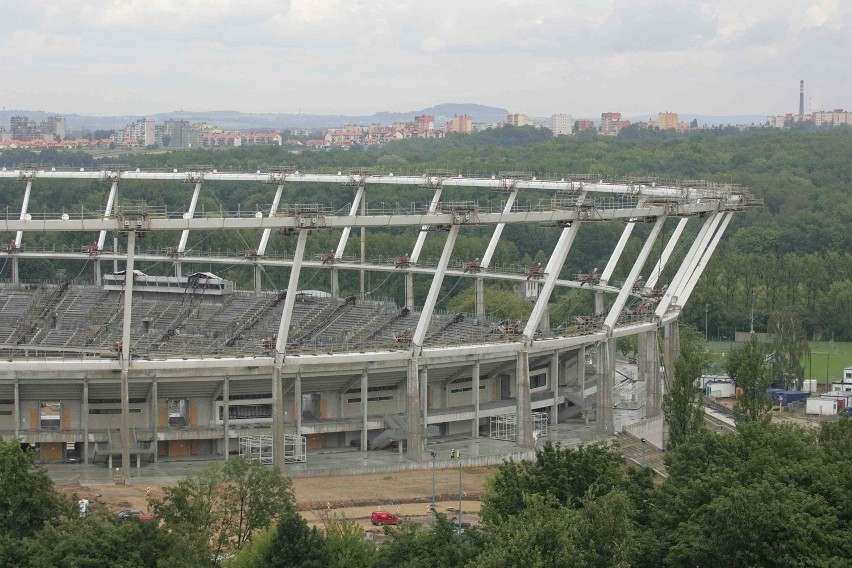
<point>505,426</point>
<point>261,448</point>
<point>295,449</point>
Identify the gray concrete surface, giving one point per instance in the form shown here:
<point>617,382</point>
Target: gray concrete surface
<point>482,451</point>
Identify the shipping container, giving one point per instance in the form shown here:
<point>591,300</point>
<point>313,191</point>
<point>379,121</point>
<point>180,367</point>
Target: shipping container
<point>821,406</point>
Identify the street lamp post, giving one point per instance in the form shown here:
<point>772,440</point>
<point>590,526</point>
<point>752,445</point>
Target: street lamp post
<point>456,455</point>
<point>434,453</point>
<point>643,452</point>
<point>706,311</point>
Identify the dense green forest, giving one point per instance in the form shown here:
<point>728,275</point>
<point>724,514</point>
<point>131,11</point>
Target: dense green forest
<point>792,255</point>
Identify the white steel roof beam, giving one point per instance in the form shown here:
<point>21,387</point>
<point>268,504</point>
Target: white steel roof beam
<point>627,287</point>
<point>616,254</point>
<point>113,190</point>
<point>154,223</point>
<point>290,299</point>
<point>498,231</point>
<point>20,234</point>
<point>189,215</point>
<point>264,239</point>
<point>421,238</point>
<point>683,297</point>
<point>669,192</point>
<point>554,265</point>
<point>696,260</point>
<point>432,298</point>
<point>688,265</point>
<point>667,252</point>
<point>341,246</point>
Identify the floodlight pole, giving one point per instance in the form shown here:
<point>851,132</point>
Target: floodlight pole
<point>434,454</point>
<point>456,455</point>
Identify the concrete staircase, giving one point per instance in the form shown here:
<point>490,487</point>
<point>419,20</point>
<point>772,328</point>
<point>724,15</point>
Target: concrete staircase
<point>397,431</point>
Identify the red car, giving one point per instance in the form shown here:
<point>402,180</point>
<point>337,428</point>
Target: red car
<point>384,518</point>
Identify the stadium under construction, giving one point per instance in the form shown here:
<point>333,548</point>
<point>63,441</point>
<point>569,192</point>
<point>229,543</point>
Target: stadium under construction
<point>121,364</point>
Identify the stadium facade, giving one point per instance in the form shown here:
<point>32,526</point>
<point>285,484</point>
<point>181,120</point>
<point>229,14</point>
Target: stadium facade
<point>158,366</point>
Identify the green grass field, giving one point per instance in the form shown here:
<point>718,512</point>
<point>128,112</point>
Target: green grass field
<point>827,360</point>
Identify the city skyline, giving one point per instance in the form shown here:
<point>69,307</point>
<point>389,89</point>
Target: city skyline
<point>336,57</point>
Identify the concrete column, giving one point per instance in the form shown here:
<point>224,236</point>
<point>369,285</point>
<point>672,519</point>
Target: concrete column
<point>258,279</point>
<point>414,411</point>
<point>409,290</point>
<point>649,371</point>
<point>297,393</point>
<point>335,283</point>
<point>474,379</point>
<point>364,394</point>
<point>599,303</point>
<point>16,410</point>
<point>554,386</point>
<point>524,426</point>
<point>606,379</point>
<point>97,274</point>
<point>84,420</point>
<point>155,418</point>
<point>424,396</point>
<point>226,419</point>
<point>544,323</point>
<point>278,418</point>
<point>672,350</point>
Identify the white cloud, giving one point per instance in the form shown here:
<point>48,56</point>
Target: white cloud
<point>33,44</point>
<point>535,56</point>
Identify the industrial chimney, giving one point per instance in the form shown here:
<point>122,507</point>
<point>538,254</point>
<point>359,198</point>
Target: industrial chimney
<point>801,100</point>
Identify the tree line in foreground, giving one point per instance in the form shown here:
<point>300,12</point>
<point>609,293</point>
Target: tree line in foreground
<point>766,495</point>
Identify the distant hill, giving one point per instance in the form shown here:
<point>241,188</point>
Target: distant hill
<point>243,121</point>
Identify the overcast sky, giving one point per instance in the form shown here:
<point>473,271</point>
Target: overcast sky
<point>362,56</point>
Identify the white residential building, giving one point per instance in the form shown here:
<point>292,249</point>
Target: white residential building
<point>562,124</point>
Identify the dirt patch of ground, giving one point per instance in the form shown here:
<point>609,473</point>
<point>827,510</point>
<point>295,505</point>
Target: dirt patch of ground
<point>354,496</point>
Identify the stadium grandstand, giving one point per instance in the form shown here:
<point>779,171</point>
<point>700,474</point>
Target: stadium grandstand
<point>184,361</point>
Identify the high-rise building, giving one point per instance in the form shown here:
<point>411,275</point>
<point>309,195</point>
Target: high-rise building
<point>562,124</point>
<point>424,124</point>
<point>667,121</point>
<point>611,123</point>
<point>461,124</point>
<point>518,119</point>
<point>836,117</point>
<point>143,132</point>
<point>181,134</point>
<point>54,127</point>
<point>24,129</point>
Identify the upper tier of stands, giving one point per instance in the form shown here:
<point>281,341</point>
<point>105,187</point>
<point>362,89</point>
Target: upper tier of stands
<point>51,319</point>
